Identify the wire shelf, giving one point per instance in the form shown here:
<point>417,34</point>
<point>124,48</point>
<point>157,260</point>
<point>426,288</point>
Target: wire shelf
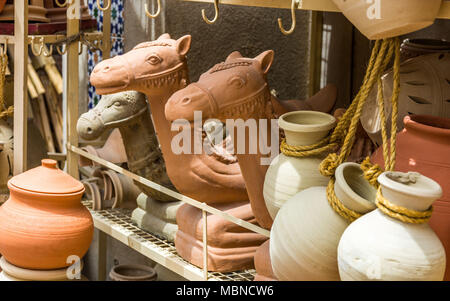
<point>118,224</point>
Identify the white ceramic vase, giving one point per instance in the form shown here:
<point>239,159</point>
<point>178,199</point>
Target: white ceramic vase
<point>306,232</point>
<point>286,175</point>
<point>379,247</point>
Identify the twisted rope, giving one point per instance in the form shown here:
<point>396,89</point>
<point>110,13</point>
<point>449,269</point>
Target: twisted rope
<point>345,131</point>
<point>318,148</point>
<point>401,213</point>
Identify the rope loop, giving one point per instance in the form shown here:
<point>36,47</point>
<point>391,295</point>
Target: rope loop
<point>316,149</point>
<point>328,165</point>
<point>338,206</point>
<point>401,213</point>
<point>371,172</point>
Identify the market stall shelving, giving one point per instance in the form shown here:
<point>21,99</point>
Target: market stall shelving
<point>315,5</point>
<point>117,223</point>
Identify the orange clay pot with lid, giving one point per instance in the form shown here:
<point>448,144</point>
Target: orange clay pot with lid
<point>43,222</point>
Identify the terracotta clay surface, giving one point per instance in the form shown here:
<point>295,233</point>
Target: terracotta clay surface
<point>113,150</point>
<point>36,11</point>
<point>424,146</point>
<point>230,247</point>
<point>44,222</point>
<point>238,89</point>
<point>379,247</point>
<point>411,48</point>
<point>263,264</point>
<point>393,20</point>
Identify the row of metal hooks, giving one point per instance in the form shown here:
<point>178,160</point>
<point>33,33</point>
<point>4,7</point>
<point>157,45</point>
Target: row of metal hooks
<point>295,4</point>
<point>108,5</point>
<point>62,48</point>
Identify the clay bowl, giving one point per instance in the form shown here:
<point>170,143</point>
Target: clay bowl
<point>132,272</point>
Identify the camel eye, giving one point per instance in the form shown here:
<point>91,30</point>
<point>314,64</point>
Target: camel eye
<point>117,104</point>
<point>236,81</point>
<point>154,60</point>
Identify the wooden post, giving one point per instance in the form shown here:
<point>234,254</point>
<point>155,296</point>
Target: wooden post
<point>106,53</point>
<point>20,85</point>
<point>73,24</point>
<point>205,244</point>
<point>315,52</point>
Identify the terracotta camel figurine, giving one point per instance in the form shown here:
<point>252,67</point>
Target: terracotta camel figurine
<point>238,89</point>
<point>159,69</point>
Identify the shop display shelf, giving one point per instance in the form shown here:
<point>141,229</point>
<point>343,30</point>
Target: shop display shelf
<point>51,38</point>
<point>316,5</point>
<point>117,224</point>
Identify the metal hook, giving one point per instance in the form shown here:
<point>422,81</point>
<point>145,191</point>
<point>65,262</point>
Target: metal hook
<point>33,50</point>
<point>294,5</point>
<point>5,48</point>
<point>157,12</point>
<point>48,53</point>
<point>103,8</point>
<point>216,8</point>
<point>61,5</point>
<point>60,50</point>
<point>80,49</point>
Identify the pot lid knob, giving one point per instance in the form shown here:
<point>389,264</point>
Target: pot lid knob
<point>49,163</point>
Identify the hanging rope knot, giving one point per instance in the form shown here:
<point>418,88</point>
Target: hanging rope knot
<point>328,166</point>
<point>371,171</point>
<point>401,213</point>
<point>338,206</point>
<point>316,149</point>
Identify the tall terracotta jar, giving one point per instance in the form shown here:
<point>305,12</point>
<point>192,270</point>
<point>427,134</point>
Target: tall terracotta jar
<point>380,247</point>
<point>424,146</point>
<point>43,222</point>
<point>286,175</point>
<point>306,232</point>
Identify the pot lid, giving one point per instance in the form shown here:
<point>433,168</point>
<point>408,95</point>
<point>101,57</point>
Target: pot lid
<point>48,179</point>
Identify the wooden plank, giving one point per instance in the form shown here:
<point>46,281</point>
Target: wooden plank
<point>73,21</point>
<point>106,39</point>
<point>319,5</point>
<point>176,195</point>
<point>20,87</point>
<point>46,28</point>
<point>315,52</point>
<point>316,5</point>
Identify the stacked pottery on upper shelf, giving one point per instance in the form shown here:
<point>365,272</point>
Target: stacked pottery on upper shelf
<point>424,146</point>
<point>58,14</point>
<point>386,19</point>
<point>379,246</point>
<point>36,11</point>
<point>44,226</point>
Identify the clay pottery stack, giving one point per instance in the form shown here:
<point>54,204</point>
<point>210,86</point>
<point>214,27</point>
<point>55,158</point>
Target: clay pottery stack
<point>424,146</point>
<point>306,232</point>
<point>43,222</point>
<point>132,272</point>
<point>412,48</point>
<point>59,14</point>
<point>2,5</point>
<point>6,158</point>
<point>424,90</point>
<point>395,18</point>
<point>13,273</point>
<point>287,175</point>
<point>379,247</point>
<point>36,11</point>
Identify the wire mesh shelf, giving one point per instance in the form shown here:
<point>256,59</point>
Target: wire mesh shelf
<point>118,224</point>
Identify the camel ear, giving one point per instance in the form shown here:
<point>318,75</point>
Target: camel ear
<point>164,36</point>
<point>234,55</point>
<point>183,45</point>
<point>266,60</point>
